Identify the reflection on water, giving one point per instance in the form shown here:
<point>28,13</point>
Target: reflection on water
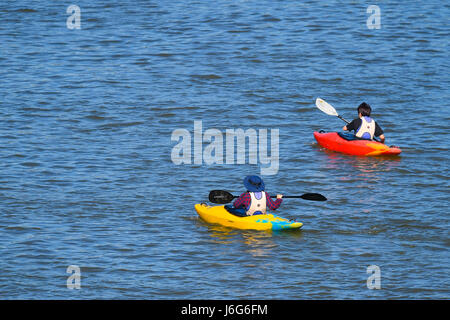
<point>258,243</point>
<point>220,234</point>
<point>361,179</point>
<point>366,168</point>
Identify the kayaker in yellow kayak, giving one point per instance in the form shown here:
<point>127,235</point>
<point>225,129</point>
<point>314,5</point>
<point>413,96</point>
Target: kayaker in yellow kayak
<point>255,200</point>
<point>364,126</point>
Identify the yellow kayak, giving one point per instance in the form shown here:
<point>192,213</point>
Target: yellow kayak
<point>219,215</point>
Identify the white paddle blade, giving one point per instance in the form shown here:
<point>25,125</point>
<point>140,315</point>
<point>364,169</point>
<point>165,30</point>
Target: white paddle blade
<point>326,107</point>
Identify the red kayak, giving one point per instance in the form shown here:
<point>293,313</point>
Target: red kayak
<point>347,143</point>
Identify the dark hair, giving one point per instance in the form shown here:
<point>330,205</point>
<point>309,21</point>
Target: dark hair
<point>364,109</point>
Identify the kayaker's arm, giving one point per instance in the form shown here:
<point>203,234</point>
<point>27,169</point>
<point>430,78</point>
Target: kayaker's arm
<point>243,201</point>
<point>379,133</point>
<point>273,205</point>
<point>349,126</point>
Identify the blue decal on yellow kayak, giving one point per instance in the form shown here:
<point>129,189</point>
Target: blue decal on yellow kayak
<point>278,225</point>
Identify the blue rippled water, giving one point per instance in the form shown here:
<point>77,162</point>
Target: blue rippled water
<point>87,176</point>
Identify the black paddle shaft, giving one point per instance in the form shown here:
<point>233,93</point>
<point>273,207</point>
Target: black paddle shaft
<point>223,197</point>
<point>346,121</point>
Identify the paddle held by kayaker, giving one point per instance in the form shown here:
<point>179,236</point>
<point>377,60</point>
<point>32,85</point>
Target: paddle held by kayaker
<point>364,126</point>
<point>256,200</point>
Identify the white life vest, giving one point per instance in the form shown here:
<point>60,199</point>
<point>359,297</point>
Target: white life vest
<point>367,128</point>
<point>257,204</point>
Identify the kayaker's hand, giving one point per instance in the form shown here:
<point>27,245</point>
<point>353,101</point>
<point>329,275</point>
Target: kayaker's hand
<point>279,196</point>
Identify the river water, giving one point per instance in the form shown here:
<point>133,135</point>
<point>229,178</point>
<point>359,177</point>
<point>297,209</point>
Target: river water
<point>88,178</point>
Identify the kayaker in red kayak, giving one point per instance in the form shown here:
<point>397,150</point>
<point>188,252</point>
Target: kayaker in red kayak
<point>255,200</point>
<point>364,126</point>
